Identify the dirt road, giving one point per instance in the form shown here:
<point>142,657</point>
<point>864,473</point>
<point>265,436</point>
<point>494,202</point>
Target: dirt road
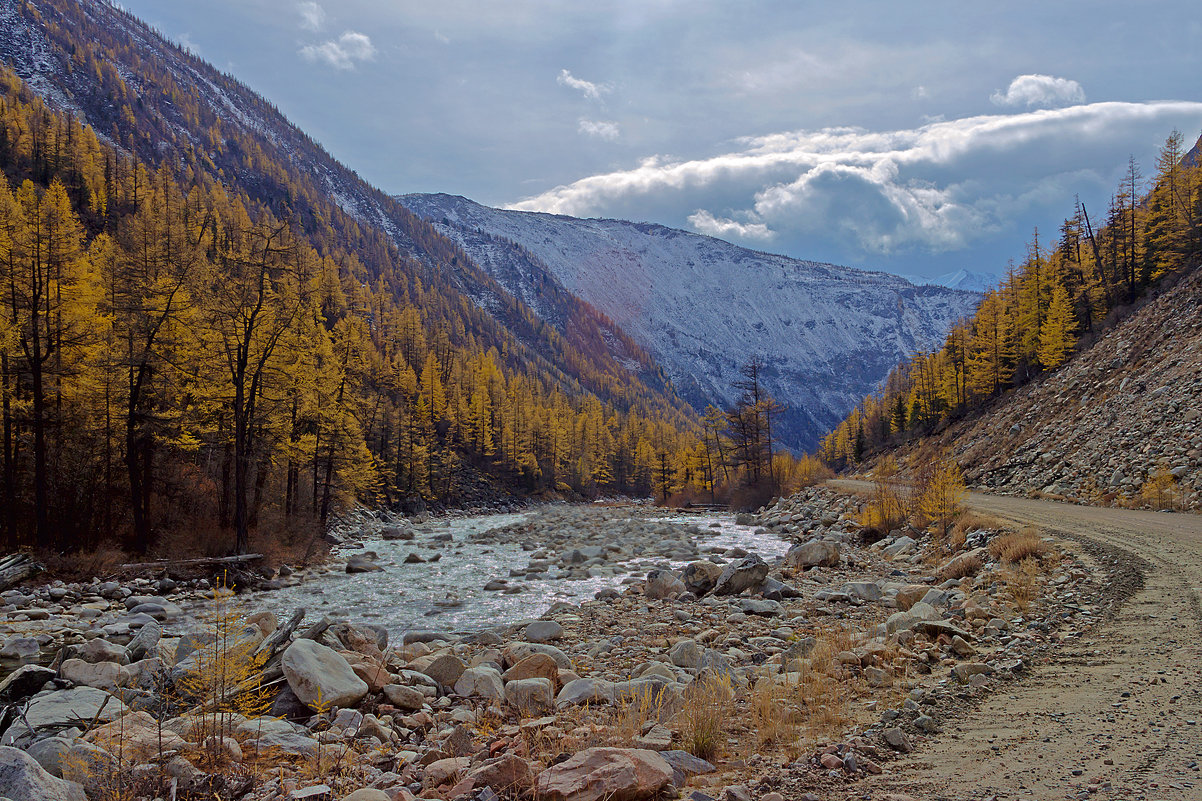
<point>1117,714</point>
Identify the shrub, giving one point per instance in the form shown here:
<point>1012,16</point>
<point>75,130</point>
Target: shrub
<point>703,718</point>
<point>1018,546</point>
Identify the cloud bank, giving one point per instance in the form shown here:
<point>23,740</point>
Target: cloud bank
<point>934,188</point>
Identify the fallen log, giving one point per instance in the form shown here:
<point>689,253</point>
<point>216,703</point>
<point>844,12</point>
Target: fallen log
<point>15,568</point>
<point>211,561</point>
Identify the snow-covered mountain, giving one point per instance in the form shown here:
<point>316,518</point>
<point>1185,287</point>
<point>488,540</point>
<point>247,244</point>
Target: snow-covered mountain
<point>702,306</point>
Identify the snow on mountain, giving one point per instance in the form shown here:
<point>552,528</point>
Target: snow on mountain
<point>702,306</point>
<point>959,279</point>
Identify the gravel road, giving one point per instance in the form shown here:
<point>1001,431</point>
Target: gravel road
<point>1117,714</point>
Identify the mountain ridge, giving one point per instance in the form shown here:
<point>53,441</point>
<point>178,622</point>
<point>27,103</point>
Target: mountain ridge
<point>703,305</point>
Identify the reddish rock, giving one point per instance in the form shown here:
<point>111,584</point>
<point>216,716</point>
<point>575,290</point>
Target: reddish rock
<point>613,774</point>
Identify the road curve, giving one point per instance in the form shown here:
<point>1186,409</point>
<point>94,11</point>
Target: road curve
<point>1118,713</point>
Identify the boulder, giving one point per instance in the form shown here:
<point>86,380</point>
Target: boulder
<point>273,734</point>
<point>444,669</point>
<point>406,698</point>
<point>24,682</point>
<point>663,584</point>
<point>541,631</point>
<point>613,774</point>
<point>23,779</point>
<point>687,654</point>
<point>368,794</point>
<point>480,682</point>
<point>864,590</point>
<point>531,696</point>
<point>909,595</point>
<point>700,577</point>
<point>506,774</point>
<point>585,691</point>
<point>534,666</point>
<point>99,650</point>
<point>358,563</point>
<point>145,642</point>
<point>815,553</point>
<point>744,574</point>
<point>49,713</point>
<point>320,677</point>
<point>103,675</point>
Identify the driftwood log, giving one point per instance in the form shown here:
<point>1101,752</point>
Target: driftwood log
<point>17,567</point>
<point>212,561</point>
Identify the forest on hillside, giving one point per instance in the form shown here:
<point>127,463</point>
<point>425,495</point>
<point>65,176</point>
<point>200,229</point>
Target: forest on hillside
<point>1056,298</point>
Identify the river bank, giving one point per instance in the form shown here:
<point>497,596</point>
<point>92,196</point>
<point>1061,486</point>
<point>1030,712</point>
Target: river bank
<point>774,650</point>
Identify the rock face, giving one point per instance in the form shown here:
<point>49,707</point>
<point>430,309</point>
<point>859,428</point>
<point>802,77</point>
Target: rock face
<point>744,574</point>
<point>613,774</point>
<point>815,553</point>
<point>23,779</point>
<point>320,676</point>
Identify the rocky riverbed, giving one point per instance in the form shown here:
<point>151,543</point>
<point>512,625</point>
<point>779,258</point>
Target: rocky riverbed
<point>602,653</point>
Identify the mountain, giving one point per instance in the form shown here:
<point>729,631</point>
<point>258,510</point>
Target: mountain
<point>702,306</point>
<point>966,280</point>
<point>159,103</point>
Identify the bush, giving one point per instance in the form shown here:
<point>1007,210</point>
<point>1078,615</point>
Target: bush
<point>1019,546</point>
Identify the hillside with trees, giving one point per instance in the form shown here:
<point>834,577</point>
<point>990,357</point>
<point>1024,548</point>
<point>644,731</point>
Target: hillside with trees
<point>1086,353</point>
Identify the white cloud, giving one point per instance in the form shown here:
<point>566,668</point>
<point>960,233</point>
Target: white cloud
<point>936,187</point>
<point>590,90</point>
<point>601,129</point>
<point>312,15</point>
<point>342,53</point>
<point>706,223</point>
<point>1039,91</point>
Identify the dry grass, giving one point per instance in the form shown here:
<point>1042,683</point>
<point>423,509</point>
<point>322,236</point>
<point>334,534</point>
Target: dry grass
<point>705,714</point>
<point>963,568</point>
<point>1020,581</point>
<point>1018,546</point>
<point>774,713</point>
<point>635,711</point>
<point>824,691</point>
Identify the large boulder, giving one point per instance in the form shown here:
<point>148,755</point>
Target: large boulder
<point>273,734</point>
<point>23,779</point>
<point>505,774</point>
<point>24,682</point>
<point>104,675</point>
<point>443,668</point>
<point>815,553</point>
<point>613,774</point>
<point>531,696</point>
<point>360,563</point>
<point>663,584</point>
<point>746,573</point>
<point>534,666</point>
<point>145,643</point>
<point>542,631</point>
<point>52,712</point>
<point>700,577</point>
<point>320,677</point>
<point>480,682</point>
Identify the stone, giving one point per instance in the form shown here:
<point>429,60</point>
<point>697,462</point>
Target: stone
<point>358,563</point>
<point>367,794</point>
<point>103,675</point>
<point>585,691</point>
<point>754,606</point>
<point>54,711</point>
<point>896,739</point>
<point>314,792</point>
<point>24,682</point>
<point>272,734</point>
<point>507,774</point>
<point>663,584</point>
<point>687,654</point>
<point>909,595</point>
<point>531,696</point>
<point>541,631</point>
<point>374,676</point>
<point>864,590</point>
<point>443,771</point>
<point>52,753</point>
<point>145,642</point>
<point>533,667</point>
<point>700,577</point>
<point>684,766</point>
<point>137,736</point>
<point>613,774</point>
<point>744,574</point>
<point>657,738</point>
<point>397,533</point>
<point>961,647</point>
<point>900,547</point>
<point>480,682</point>
<point>99,650</point>
<point>445,669</point>
<point>405,698</point>
<point>23,779</point>
<point>815,553</point>
<point>320,676</point>
<point>966,670</point>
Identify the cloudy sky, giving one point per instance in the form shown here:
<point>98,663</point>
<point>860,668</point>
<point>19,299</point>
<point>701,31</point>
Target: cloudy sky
<point>919,137</point>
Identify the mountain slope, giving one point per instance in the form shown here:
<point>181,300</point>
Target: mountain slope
<point>163,105</point>
<point>702,306</point>
<point>1096,430</point>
